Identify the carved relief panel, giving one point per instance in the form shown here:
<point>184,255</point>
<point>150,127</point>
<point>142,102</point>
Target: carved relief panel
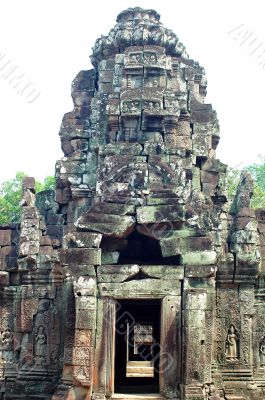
<point>259,338</point>
<point>40,346</point>
<point>154,80</point>
<point>7,342</point>
<point>135,59</point>
<point>233,326</point>
<point>172,106</point>
<point>132,107</point>
<point>261,348</point>
<point>150,58</point>
<point>232,344</point>
<point>153,107</point>
<point>154,57</point>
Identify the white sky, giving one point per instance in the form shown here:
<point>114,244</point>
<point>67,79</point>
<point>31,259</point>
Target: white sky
<point>50,42</point>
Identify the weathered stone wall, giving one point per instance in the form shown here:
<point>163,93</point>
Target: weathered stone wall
<point>31,308</point>
<point>140,212</point>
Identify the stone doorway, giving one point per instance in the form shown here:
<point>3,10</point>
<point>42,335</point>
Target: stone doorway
<point>170,339</point>
<point>137,346</point>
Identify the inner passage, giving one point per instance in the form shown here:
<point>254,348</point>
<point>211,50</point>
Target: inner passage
<point>136,249</point>
<point>137,347</point>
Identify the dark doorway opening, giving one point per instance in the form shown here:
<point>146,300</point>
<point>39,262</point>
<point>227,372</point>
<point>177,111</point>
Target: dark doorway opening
<point>137,346</point>
<point>141,249</point>
<point>144,250</point>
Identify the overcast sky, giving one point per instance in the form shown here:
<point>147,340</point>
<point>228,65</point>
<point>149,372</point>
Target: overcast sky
<point>48,42</point>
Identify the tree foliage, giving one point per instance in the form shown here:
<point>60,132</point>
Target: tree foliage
<point>233,176</point>
<point>258,199</point>
<point>11,193</point>
<point>257,171</point>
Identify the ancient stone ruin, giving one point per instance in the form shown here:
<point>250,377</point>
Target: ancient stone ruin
<point>138,279</point>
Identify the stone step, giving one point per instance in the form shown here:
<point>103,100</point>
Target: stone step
<point>234,397</point>
<point>237,375</point>
<point>121,396</point>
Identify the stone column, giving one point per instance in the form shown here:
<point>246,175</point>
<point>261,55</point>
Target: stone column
<point>79,255</point>
<point>170,348</point>
<point>83,349</point>
<point>198,331</point>
<point>104,356</point>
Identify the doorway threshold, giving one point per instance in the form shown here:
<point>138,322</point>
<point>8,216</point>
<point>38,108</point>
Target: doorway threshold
<point>121,396</point>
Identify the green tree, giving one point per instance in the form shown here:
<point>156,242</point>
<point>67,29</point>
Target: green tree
<point>257,171</point>
<point>48,184</point>
<point>11,194</point>
<point>258,199</point>
<point>233,176</point>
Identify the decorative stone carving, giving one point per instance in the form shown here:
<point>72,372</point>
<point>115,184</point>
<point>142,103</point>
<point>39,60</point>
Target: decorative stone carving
<point>40,346</point>
<point>131,107</point>
<point>150,58</point>
<point>152,107</point>
<point>262,352</point>
<point>8,346</point>
<point>232,344</point>
<point>136,58</point>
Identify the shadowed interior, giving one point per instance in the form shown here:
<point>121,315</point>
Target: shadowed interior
<point>136,312</point>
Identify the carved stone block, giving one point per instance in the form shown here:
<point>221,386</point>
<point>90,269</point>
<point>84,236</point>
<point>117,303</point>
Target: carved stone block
<point>81,256</point>
<point>83,338</point>
<point>81,356</point>
<point>5,237</point>
<point>29,308</point>
<point>85,319</point>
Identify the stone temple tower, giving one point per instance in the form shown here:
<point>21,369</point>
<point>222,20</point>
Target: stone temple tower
<point>138,279</point>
